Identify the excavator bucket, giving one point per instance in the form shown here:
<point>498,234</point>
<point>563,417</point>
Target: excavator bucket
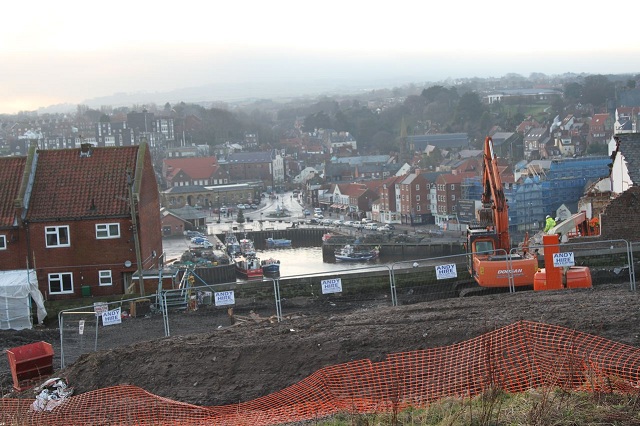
<point>485,217</point>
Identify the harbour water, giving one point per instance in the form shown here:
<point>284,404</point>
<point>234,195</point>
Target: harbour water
<point>293,261</point>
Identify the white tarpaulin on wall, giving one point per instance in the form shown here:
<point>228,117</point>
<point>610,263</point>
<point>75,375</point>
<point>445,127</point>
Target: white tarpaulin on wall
<point>17,289</point>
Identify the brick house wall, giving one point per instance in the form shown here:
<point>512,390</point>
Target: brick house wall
<point>79,231</point>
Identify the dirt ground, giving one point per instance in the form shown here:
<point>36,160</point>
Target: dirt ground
<point>232,363</point>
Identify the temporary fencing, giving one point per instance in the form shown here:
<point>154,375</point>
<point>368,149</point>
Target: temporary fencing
<point>219,303</point>
<point>609,261</point>
<point>104,325</point>
<point>358,288</point>
<point>521,356</point>
<point>435,278</point>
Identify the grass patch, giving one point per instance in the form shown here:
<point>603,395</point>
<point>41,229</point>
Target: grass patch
<point>538,407</point>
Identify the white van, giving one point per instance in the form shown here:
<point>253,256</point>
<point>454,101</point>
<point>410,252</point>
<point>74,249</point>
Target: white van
<point>317,210</point>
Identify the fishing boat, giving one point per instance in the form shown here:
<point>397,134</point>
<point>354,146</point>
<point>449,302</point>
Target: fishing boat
<point>248,267</point>
<point>270,266</point>
<point>278,242</point>
<point>231,244</point>
<point>349,253</point>
<point>247,248</point>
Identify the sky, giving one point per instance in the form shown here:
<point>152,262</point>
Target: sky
<point>68,51</point>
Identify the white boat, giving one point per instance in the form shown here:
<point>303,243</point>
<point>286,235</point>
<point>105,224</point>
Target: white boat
<point>349,253</point>
<point>247,247</point>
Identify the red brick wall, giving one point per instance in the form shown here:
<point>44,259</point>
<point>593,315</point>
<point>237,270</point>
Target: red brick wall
<point>14,256</point>
<point>85,256</point>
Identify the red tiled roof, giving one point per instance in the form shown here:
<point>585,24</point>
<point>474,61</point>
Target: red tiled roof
<point>68,186</point>
<point>194,167</point>
<point>11,170</point>
<point>598,118</point>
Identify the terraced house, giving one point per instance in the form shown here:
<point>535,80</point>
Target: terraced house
<point>68,214</point>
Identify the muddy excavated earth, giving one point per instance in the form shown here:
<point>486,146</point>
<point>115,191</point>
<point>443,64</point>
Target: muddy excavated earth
<point>214,363</point>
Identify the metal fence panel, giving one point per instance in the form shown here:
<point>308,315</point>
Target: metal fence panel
<point>220,305</point>
<point>83,329</point>
<point>419,281</point>
<point>339,291</point>
<point>609,262</point>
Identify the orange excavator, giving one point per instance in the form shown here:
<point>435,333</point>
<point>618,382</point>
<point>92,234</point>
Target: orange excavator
<point>491,262</point>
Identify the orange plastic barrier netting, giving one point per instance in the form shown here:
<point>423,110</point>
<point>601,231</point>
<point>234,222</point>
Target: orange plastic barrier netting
<point>514,358</point>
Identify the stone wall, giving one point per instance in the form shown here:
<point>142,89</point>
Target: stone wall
<point>621,218</point>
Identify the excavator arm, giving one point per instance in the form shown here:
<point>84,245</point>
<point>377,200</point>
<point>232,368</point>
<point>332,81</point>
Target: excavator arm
<point>494,204</point>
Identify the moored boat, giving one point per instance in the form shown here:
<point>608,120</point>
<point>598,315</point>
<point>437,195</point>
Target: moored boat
<point>231,244</point>
<point>349,253</point>
<point>270,266</point>
<point>278,242</point>
<point>249,267</point>
<point>247,247</point>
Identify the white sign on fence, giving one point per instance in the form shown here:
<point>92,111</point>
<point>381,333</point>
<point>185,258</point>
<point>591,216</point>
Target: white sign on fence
<point>100,307</point>
<point>563,259</point>
<point>333,285</point>
<point>81,327</point>
<point>446,271</point>
<point>111,317</point>
<point>223,298</point>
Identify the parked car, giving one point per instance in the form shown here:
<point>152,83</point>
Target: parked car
<point>204,244</point>
<point>327,221</point>
<point>358,225</point>
<point>371,226</point>
<point>254,206</point>
<point>313,221</point>
<point>348,223</point>
<point>240,206</point>
<point>318,216</point>
<point>193,234</point>
<point>198,240</point>
<point>307,212</point>
<point>223,209</point>
<point>337,222</point>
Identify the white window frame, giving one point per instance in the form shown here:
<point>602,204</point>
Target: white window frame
<point>104,231</point>
<point>55,231</point>
<point>105,277</point>
<point>59,276</point>
<point>3,242</point>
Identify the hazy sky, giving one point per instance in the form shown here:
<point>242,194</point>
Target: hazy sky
<point>67,51</point>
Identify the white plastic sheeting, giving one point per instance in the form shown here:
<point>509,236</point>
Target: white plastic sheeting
<point>17,289</point>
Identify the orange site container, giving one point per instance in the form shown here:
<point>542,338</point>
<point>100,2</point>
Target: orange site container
<point>30,362</point>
